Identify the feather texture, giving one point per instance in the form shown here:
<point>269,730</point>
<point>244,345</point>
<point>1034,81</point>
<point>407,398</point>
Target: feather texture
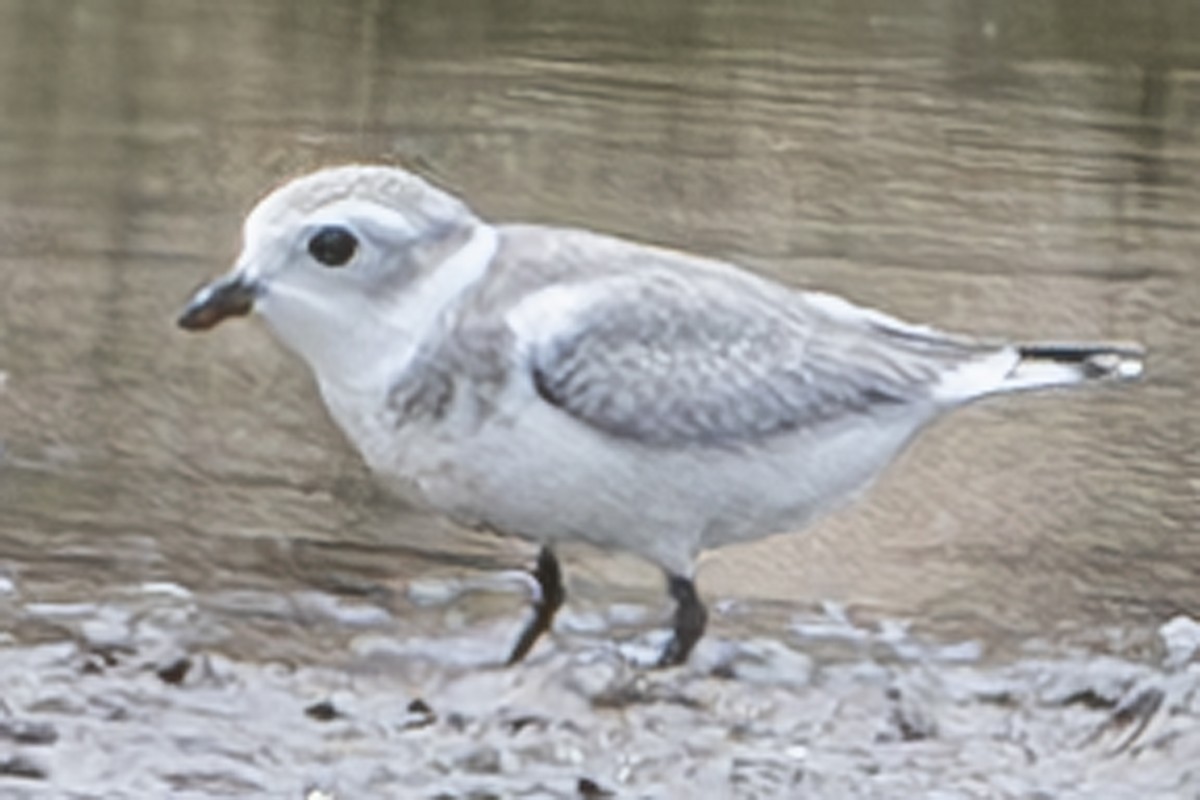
<point>670,359</point>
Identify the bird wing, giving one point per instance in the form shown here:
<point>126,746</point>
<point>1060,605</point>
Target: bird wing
<point>715,358</point>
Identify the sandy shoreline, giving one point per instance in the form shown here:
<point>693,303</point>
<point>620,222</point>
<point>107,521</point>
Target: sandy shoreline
<point>123,709</point>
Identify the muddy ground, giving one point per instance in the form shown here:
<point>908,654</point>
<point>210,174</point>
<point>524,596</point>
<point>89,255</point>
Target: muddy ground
<point>128,701</point>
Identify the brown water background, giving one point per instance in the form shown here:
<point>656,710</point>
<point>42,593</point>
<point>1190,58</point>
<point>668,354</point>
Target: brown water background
<point>1001,168</point>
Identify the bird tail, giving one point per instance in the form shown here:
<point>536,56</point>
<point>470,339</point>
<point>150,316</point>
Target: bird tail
<point>1045,364</point>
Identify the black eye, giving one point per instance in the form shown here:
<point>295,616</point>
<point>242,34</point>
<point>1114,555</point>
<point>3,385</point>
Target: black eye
<point>333,246</point>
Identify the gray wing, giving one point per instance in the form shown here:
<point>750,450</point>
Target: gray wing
<point>670,360</point>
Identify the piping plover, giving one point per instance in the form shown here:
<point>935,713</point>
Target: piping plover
<point>558,384</point>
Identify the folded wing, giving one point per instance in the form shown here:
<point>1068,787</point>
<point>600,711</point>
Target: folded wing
<point>670,359</point>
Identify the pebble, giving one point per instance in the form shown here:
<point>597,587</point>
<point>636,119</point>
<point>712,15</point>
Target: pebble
<point>20,766</point>
<point>479,760</point>
<point>1181,639</point>
<point>1099,682</point>
<point>758,661</point>
<point>327,608</point>
<point>28,733</point>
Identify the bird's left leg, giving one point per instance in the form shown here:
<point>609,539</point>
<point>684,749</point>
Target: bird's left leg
<point>551,595</point>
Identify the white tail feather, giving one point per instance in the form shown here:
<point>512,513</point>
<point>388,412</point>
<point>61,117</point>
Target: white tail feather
<point>1039,366</point>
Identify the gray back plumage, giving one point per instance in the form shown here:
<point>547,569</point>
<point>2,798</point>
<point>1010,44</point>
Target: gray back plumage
<point>672,350</point>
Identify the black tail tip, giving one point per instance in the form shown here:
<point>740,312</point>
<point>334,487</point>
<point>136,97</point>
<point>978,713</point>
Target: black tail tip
<point>1124,361</point>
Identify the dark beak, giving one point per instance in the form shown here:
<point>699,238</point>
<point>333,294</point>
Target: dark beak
<point>226,297</point>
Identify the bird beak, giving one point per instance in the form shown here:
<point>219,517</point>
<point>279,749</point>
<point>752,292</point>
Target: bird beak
<point>231,296</point>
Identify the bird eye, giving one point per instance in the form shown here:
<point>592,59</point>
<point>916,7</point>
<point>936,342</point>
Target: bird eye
<point>333,246</point>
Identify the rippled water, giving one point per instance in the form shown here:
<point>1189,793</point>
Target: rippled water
<point>997,168</point>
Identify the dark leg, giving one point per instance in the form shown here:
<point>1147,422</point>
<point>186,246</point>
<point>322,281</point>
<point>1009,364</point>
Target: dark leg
<point>690,618</point>
<point>549,578</point>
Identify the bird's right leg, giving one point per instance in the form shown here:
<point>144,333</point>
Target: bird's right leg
<point>691,618</point>
<point>550,598</point>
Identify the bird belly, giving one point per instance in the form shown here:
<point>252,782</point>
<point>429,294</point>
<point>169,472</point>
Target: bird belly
<point>542,476</point>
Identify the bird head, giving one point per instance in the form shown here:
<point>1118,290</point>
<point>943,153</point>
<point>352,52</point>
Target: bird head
<point>345,260</point>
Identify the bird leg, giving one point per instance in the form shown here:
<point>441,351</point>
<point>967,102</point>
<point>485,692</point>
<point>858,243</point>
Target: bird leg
<point>690,619</point>
<point>550,598</point>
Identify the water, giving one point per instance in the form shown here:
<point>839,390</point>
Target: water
<point>996,168</point>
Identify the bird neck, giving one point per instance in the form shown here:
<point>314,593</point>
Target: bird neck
<point>378,347</point>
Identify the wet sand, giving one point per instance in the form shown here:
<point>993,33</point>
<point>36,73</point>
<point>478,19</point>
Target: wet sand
<point>124,702</point>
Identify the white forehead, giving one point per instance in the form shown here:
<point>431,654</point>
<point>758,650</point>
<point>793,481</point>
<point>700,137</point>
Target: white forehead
<point>330,191</point>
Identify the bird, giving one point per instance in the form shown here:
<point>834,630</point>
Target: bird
<point>560,385</point>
